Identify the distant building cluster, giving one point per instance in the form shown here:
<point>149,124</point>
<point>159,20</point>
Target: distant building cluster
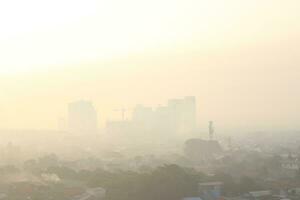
<point>82,117</point>
<point>178,116</point>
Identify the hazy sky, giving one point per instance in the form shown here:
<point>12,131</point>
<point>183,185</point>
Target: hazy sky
<point>239,58</point>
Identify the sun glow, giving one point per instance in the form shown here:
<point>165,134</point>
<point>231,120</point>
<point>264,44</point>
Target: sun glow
<point>39,34</point>
<point>111,51</point>
<point>48,33</point>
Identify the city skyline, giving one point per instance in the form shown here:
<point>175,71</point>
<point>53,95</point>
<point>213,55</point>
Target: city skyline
<point>240,60</point>
<point>149,100</point>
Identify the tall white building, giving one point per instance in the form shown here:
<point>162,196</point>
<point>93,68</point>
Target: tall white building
<point>179,115</point>
<point>183,112</point>
<point>82,117</point>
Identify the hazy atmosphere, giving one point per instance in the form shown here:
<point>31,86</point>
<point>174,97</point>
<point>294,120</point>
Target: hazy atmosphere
<point>149,100</point>
<point>239,58</point>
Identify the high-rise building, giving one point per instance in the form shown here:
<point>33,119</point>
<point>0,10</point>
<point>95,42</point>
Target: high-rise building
<point>179,115</point>
<point>82,117</point>
<point>177,118</point>
<point>143,116</point>
<point>183,112</point>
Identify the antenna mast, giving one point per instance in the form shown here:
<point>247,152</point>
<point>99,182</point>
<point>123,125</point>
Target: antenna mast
<point>211,130</point>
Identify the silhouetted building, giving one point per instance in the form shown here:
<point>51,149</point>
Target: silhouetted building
<point>178,116</point>
<point>183,113</point>
<point>82,117</point>
<point>120,128</point>
<point>143,117</point>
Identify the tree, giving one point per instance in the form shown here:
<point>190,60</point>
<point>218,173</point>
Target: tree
<point>230,187</point>
<point>169,182</point>
<point>247,184</point>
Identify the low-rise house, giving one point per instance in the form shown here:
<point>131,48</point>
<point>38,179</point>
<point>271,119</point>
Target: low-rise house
<point>91,194</point>
<point>210,190</point>
<point>192,198</point>
<point>259,195</point>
